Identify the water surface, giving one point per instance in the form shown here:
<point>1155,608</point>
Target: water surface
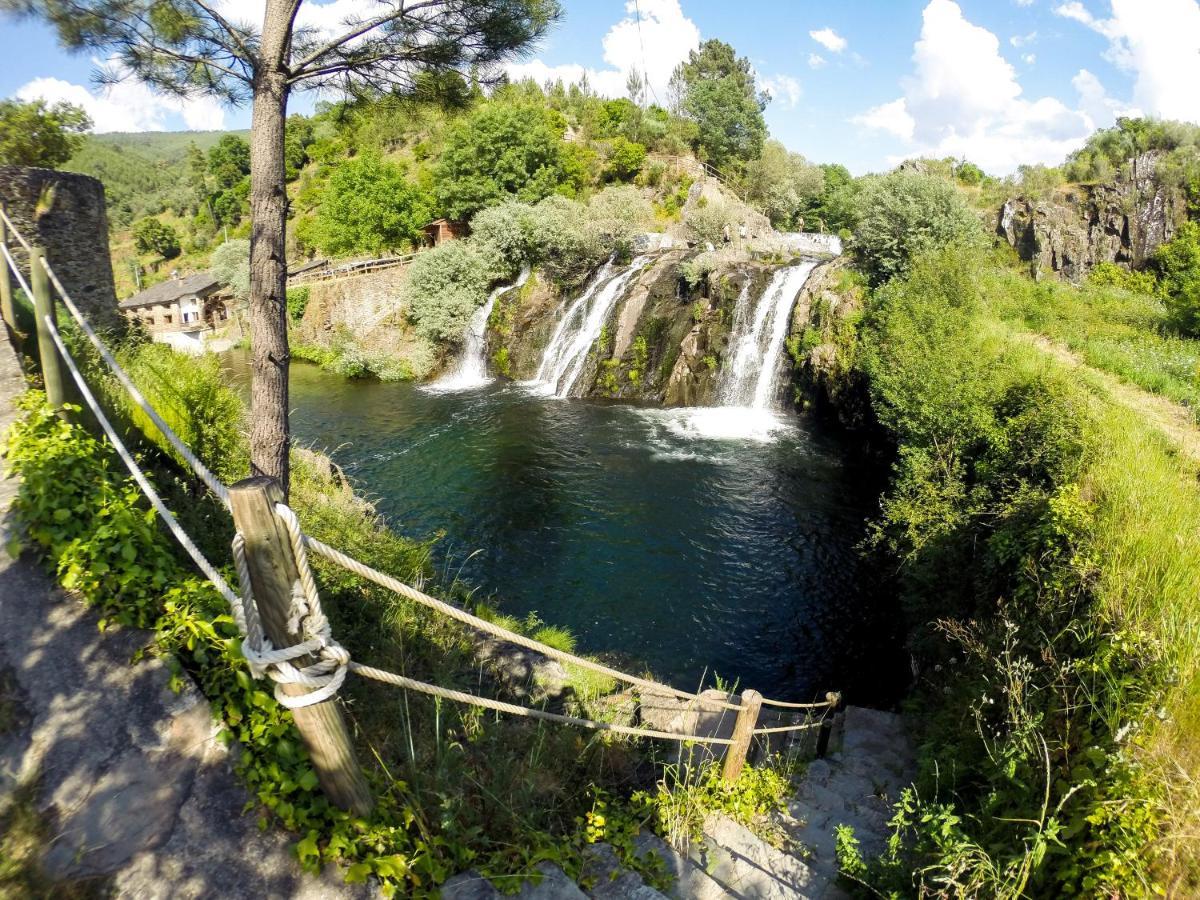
<point>630,526</point>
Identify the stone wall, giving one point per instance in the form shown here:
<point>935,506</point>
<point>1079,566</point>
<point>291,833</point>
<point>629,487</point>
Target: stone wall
<point>65,213</point>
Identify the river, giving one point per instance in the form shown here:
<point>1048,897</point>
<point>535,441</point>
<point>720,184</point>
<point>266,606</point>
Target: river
<point>693,555</point>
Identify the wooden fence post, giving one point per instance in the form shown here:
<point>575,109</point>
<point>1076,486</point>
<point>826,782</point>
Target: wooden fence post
<point>272,574</point>
<point>743,732</point>
<point>43,307</point>
<point>834,699</point>
<point>6,292</point>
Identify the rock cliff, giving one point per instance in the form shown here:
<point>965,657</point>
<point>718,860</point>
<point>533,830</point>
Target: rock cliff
<point>1120,222</point>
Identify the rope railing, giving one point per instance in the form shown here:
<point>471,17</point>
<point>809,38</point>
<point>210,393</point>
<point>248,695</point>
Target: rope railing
<point>12,265</point>
<point>315,661</point>
<point>15,233</point>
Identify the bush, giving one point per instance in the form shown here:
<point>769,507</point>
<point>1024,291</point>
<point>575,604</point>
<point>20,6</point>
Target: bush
<point>1108,274</point>
<point>152,236</point>
<point>902,215</point>
<point>625,159</point>
<point>297,302</point>
<point>368,206</point>
<point>444,287</point>
<point>230,263</point>
<point>509,230</point>
<point>1177,263</point>
<point>712,222</point>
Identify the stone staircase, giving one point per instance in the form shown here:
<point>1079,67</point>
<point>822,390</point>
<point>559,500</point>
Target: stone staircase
<point>856,785</point>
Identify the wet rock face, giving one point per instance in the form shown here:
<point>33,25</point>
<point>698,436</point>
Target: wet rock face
<point>1121,222</point>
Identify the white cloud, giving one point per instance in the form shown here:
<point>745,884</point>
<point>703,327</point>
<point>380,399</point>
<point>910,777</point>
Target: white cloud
<point>815,60</point>
<point>829,39</point>
<point>963,99</point>
<point>1024,2</point>
<point>891,117</point>
<point>1158,42</point>
<point>784,90</point>
<point>1029,59</point>
<point>666,34</point>
<point>1020,40</point>
<point>129,105</point>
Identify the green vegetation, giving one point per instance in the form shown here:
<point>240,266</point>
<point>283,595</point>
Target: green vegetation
<point>717,91</point>
<point>784,185</point>
<point>1043,534</point>
<point>37,134</point>
<point>1177,265</point>
<point>901,215</point>
<point>367,207</point>
<point>230,263</point>
<point>152,236</point>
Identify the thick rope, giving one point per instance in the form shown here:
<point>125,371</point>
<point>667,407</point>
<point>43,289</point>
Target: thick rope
<point>404,590</point>
<point>235,602</point>
<point>14,232</point>
<point>12,264</point>
<point>202,471</point>
<point>499,706</point>
<point>823,705</point>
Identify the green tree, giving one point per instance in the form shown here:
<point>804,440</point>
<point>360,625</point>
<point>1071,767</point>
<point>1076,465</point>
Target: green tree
<point>501,150</point>
<point>783,184</point>
<point>716,89</point>
<point>152,236</point>
<point>191,47</point>
<point>1177,263</point>
<point>368,206</point>
<point>230,264</point>
<point>35,134</point>
<point>625,159</point>
<point>903,215</point>
<point>229,161</point>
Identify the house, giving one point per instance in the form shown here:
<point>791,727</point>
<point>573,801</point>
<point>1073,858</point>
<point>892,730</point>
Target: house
<point>440,230</point>
<point>184,311</point>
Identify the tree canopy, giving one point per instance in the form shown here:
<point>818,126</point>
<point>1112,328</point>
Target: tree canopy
<point>715,88</point>
<point>153,236</point>
<point>36,134</point>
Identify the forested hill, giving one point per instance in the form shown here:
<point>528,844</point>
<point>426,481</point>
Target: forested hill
<point>143,172</point>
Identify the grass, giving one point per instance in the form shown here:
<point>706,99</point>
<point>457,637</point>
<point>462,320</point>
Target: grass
<point>1109,328</point>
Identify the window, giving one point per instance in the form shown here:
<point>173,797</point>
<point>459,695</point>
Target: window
<point>167,319</point>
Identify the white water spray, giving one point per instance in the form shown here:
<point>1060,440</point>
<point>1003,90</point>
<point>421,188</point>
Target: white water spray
<point>471,371</point>
<point>580,326</point>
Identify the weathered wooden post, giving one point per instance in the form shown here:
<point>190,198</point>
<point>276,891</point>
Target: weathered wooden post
<point>835,700</point>
<point>43,308</point>
<point>6,294</point>
<point>272,573</point>
<point>743,732</point>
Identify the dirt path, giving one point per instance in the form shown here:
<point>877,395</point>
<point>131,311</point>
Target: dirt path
<point>1170,418</point>
<point>133,791</point>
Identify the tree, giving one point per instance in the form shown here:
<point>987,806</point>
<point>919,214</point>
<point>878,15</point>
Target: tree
<point>191,47</point>
<point>501,150</point>
<point>34,134</point>
<point>625,159</point>
<point>230,264</point>
<point>152,236</point>
<point>1177,264</point>
<point>783,184</point>
<point>715,88</point>
<point>368,207</point>
<point>903,215</point>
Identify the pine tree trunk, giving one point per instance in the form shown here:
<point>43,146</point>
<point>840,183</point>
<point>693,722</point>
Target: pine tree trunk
<point>270,436</point>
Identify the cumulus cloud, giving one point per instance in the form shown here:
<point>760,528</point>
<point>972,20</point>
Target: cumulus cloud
<point>128,105</point>
<point>1159,43</point>
<point>1020,40</point>
<point>784,90</point>
<point>815,60</point>
<point>1029,59</point>
<point>829,39</point>
<point>963,99</point>
<point>666,34</point>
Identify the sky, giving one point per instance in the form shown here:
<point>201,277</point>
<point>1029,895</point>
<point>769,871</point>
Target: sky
<point>866,84</point>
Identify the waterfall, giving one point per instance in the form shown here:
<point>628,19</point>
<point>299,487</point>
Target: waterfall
<point>751,376</point>
<point>580,326</point>
<point>471,371</point>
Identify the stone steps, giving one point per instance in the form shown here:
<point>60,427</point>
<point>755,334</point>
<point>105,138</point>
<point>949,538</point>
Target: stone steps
<point>857,785</point>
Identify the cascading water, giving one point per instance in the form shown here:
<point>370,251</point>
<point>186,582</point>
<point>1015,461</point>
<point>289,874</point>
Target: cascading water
<point>580,326</point>
<point>749,382</point>
<point>471,371</point>
<point>751,376</point>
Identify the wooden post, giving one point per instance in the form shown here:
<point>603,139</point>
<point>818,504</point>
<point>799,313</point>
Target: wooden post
<point>835,700</point>
<point>743,732</point>
<point>43,307</point>
<point>272,574</point>
<point>6,292</point>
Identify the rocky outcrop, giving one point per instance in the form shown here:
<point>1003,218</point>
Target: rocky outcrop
<point>1121,222</point>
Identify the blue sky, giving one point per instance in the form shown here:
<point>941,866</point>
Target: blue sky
<point>1001,82</point>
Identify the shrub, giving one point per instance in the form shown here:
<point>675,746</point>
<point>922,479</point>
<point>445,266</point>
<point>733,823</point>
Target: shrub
<point>297,302</point>
<point>902,215</point>
<point>444,287</point>
<point>712,222</point>
<point>152,236</point>
<point>625,159</point>
<point>1177,263</point>
<point>368,206</point>
<point>230,263</point>
<point>509,230</point>
<point>1108,274</point>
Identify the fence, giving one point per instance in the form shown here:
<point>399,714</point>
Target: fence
<point>277,604</point>
<point>323,270</point>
